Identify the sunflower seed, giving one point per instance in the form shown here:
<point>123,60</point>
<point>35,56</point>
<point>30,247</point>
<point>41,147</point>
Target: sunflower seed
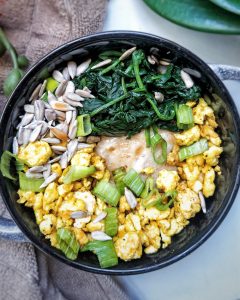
<point>74,116</point>
<point>72,148</point>
<point>70,88</point>
<point>102,63</point>
<point>47,172</point>
<point>79,214</point>
<point>42,89</point>
<point>61,106</point>
<point>15,146</point>
<point>66,73</point>
<point>61,88</point>
<point>60,114</point>
<point>72,103</point>
<point>64,160</point>
<point>68,116</point>
<point>100,236</point>
<point>164,62</point>
<point>51,97</point>
<point>44,128</point>
<point>37,169</point>
<point>127,53</point>
<point>33,175</point>
<point>26,136</point>
<point>159,97</point>
<point>39,110</point>
<point>84,94</point>
<point>35,93</point>
<point>131,199</point>
<point>72,130</point>
<point>63,127</point>
<point>58,76</point>
<point>51,140</point>
<point>151,60</point>
<point>83,66</point>
<point>59,134</point>
<point>192,72</point>
<point>74,97</point>
<point>20,135</point>
<point>50,114</point>
<point>99,217</point>
<point>83,145</point>
<point>72,68</point>
<point>27,118</point>
<point>186,79</point>
<point>59,148</point>
<point>55,159</point>
<point>203,203</point>
<point>49,179</point>
<point>91,139</point>
<point>33,125</point>
<point>35,134</point>
<point>29,108</point>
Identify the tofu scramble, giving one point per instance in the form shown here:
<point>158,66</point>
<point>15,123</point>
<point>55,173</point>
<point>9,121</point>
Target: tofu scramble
<point>88,197</point>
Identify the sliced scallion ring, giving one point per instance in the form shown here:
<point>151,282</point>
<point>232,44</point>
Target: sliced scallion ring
<point>107,192</point>
<point>78,172</point>
<point>134,182</point>
<point>192,150</point>
<point>159,147</point>
<point>84,126</point>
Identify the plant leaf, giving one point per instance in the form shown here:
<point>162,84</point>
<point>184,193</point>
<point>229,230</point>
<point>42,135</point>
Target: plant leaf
<point>230,5</point>
<point>200,15</point>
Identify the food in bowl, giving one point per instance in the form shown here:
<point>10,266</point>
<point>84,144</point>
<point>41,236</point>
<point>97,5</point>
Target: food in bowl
<point>115,155</point>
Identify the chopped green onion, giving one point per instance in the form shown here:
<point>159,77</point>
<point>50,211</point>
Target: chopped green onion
<point>30,184</point>
<point>84,126</point>
<point>164,206</point>
<point>152,199</point>
<point>147,137</point>
<point>107,192</point>
<point>78,172</point>
<point>134,182</point>
<point>52,84</point>
<point>118,175</point>
<point>194,149</point>
<point>184,116</point>
<point>5,165</point>
<point>111,221</point>
<point>68,243</point>
<point>105,252</point>
<point>149,185</point>
<point>159,147</point>
<point>44,97</point>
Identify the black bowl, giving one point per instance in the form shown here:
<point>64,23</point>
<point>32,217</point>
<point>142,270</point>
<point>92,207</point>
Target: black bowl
<point>202,226</point>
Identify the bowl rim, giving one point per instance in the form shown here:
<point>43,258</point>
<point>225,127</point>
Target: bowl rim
<point>121,35</point>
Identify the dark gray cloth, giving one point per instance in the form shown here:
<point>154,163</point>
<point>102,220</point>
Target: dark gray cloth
<point>35,27</point>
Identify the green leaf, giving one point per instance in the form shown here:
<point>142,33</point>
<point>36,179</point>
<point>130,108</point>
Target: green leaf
<point>2,49</point>
<point>200,15</point>
<point>30,184</point>
<point>12,81</point>
<point>230,5</point>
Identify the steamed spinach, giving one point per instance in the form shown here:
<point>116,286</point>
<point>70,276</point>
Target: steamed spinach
<point>125,103</point>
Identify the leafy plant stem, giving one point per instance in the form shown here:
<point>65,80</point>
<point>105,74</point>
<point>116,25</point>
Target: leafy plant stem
<point>9,47</point>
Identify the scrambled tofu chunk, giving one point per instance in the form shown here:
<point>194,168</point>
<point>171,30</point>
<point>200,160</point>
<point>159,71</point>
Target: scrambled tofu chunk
<point>26,197</point>
<point>48,223</point>
<point>208,183</point>
<point>35,154</point>
<point>209,133</point>
<point>188,137</point>
<point>202,111</point>
<point>212,155</point>
<point>89,200</point>
<point>81,159</point>
<point>129,246</point>
<point>167,180</point>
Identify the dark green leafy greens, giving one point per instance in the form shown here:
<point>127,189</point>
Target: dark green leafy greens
<point>125,103</point>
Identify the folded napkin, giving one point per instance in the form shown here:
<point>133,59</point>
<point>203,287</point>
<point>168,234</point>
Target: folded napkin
<point>35,27</point>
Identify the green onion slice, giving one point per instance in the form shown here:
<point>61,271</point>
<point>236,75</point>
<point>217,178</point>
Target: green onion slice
<point>147,137</point>
<point>149,185</point>
<point>105,252</point>
<point>152,199</point>
<point>7,159</point>
<point>68,243</point>
<point>134,182</point>
<point>78,172</point>
<point>184,116</point>
<point>118,175</point>
<point>164,206</point>
<point>52,84</point>
<point>107,192</point>
<point>84,126</point>
<point>111,221</point>
<point>30,184</point>
<point>159,147</point>
<point>192,150</point>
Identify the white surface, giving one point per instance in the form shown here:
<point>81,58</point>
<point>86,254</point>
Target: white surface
<point>213,270</point>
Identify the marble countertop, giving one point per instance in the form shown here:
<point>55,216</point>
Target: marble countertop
<point>213,270</point>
